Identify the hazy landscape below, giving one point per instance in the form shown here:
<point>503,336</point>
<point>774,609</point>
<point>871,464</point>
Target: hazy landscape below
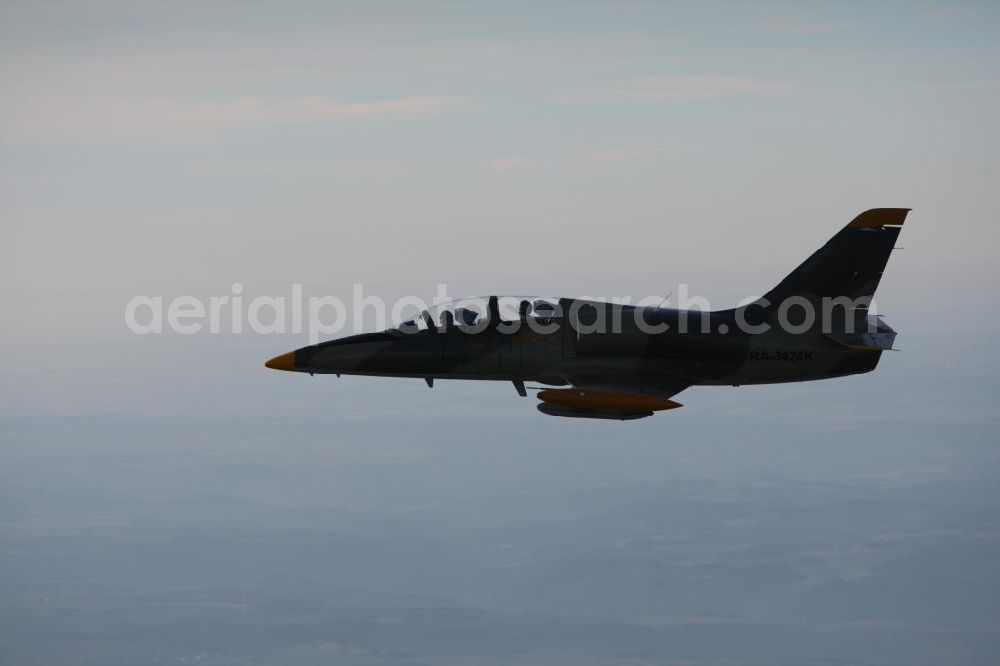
<point>479,532</point>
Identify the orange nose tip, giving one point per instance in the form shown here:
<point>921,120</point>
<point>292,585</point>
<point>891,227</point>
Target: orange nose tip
<point>283,362</point>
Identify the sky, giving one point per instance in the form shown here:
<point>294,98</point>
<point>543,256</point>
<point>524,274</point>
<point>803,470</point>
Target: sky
<point>604,149</point>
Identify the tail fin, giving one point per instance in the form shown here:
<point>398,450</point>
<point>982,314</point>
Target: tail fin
<point>850,264</point>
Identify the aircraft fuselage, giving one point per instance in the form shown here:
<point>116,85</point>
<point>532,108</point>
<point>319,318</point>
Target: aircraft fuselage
<point>626,362</point>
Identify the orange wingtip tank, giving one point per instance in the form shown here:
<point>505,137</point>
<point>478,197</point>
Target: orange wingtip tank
<point>607,400</point>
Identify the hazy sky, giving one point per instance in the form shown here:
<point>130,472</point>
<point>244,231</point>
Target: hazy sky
<point>614,149</point>
<point>603,148</point>
<point>580,148</point>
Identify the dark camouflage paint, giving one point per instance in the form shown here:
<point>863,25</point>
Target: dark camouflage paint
<point>698,348</point>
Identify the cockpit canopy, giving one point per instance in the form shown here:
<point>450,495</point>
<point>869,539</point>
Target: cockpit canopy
<point>476,311</point>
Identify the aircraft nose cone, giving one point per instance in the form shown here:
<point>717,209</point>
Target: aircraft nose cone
<point>283,362</point>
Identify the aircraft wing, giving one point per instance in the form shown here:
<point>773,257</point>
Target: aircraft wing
<point>660,385</point>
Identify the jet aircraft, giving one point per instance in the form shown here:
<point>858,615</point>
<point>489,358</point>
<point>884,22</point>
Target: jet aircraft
<point>612,361</point>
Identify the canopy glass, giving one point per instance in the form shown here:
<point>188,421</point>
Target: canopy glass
<point>475,310</point>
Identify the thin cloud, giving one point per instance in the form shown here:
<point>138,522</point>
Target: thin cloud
<point>666,89</point>
<point>585,160</point>
<point>984,84</point>
<point>74,118</point>
<point>787,27</point>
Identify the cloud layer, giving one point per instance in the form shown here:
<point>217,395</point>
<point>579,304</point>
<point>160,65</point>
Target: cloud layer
<point>590,158</point>
<point>82,118</point>
<point>673,88</point>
